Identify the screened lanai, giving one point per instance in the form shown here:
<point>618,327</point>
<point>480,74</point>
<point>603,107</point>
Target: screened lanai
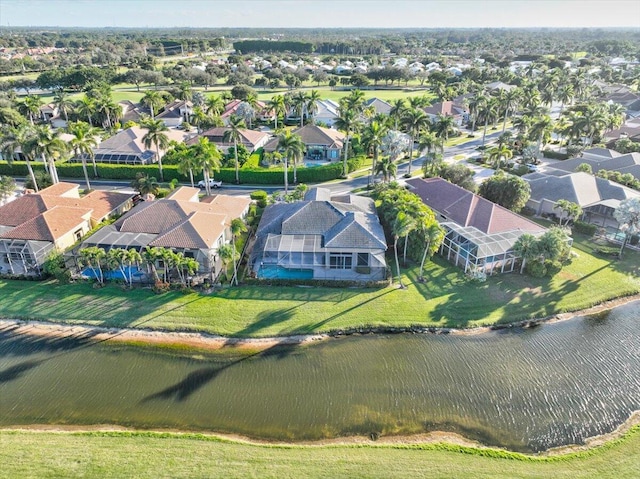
<point>294,250</point>
<point>18,256</point>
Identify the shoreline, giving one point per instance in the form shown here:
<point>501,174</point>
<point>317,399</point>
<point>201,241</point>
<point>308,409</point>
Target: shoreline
<point>210,342</point>
<point>428,438</point>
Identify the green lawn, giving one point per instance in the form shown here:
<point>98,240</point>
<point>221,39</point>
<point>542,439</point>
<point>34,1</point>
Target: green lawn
<point>101,455</point>
<point>447,299</point>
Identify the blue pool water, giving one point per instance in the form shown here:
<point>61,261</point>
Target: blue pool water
<point>274,271</point>
<point>116,274</point>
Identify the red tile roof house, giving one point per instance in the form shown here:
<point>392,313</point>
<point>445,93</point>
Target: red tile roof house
<point>251,139</point>
<point>179,222</point>
<point>479,234</point>
<point>321,143</point>
<point>54,219</point>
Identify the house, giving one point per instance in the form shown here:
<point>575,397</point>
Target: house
<point>34,225</point>
<point>176,113</point>
<point>321,143</point>
<point>127,147</point>
<point>323,237</point>
<point>260,107</point>
<point>630,130</point>
<point>498,85</point>
<point>446,108</point>
<point>48,111</point>
<point>132,111</point>
<point>603,159</point>
<point>251,139</point>
<point>479,234</point>
<point>598,197</point>
<point>380,107</point>
<point>179,222</point>
<point>326,112</point>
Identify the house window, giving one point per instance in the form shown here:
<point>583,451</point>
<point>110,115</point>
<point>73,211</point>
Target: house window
<point>340,260</point>
<point>77,234</point>
<point>363,259</point>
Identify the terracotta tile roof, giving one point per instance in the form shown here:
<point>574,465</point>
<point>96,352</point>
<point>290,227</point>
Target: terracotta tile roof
<point>232,206</point>
<point>314,135</point>
<point>51,225</point>
<point>22,209</point>
<point>184,193</point>
<point>198,231</point>
<point>61,189</point>
<point>250,138</point>
<point>467,209</point>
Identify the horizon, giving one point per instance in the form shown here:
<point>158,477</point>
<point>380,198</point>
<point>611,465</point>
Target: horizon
<point>322,15</point>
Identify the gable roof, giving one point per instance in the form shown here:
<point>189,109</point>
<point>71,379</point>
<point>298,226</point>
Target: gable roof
<point>313,135</point>
<point>250,138</point>
<point>627,163</point>
<point>380,106</point>
<point>130,141</point>
<point>197,231</point>
<point>172,110</point>
<point>468,209</point>
<point>51,224</point>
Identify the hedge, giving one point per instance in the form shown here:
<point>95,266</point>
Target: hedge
<point>273,176</point>
<point>584,228</point>
<point>554,155</point>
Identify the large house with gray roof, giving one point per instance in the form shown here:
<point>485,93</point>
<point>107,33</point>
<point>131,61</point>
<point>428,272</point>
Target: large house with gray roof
<point>598,197</point>
<point>479,233</point>
<point>323,237</point>
<point>180,222</point>
<point>603,159</point>
<point>321,143</point>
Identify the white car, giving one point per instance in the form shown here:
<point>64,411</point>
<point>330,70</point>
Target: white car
<point>212,184</point>
<point>532,168</point>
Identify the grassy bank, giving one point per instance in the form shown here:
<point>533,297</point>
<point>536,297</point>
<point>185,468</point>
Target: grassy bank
<point>141,455</point>
<point>447,299</point>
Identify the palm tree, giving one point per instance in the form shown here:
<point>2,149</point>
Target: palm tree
<point>476,105</point>
<point>430,142</point>
<point>300,103</point>
<point>233,135</point>
<point>432,162</point>
<point>499,154</point>
<point>402,226</point>
<point>628,216</point>
<point>354,101</point>
<point>153,101</point>
<point>565,95</point>
<point>445,125</point>
<point>214,105</point>
<point>509,100</point>
<point>186,160</point>
<point>348,122</point>
<point>86,106</point>
<point>525,247</point>
<point>277,105</point>
<point>107,107</point>
<point>433,235</point>
<point>313,97</point>
<point>30,107</point>
<point>398,109</point>
<point>372,141</point>
<point>93,258</point>
<point>489,110</point>
<point>387,167</point>
<point>62,101</point>
<point>47,144</point>
<point>207,157</point>
<point>145,185</point>
<point>414,120</point>
<point>185,92</point>
<point>83,142</point>
<point>541,130</point>
<point>237,228</point>
<point>292,148</point>
<point>227,254</point>
<point>14,139</point>
<point>156,135</point>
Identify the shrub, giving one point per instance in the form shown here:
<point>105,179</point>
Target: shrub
<point>260,197</point>
<point>555,155</point>
<point>527,211</point>
<point>54,266</point>
<point>607,251</point>
<point>355,163</point>
<point>42,178</point>
<point>537,269</point>
<point>552,267</point>
<point>584,228</point>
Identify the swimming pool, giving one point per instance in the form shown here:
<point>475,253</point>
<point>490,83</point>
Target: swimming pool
<point>273,271</point>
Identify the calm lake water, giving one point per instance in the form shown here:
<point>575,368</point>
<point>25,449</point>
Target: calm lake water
<point>525,390</point>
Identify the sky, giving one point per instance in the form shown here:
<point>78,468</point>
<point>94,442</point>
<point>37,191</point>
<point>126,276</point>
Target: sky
<point>318,14</point>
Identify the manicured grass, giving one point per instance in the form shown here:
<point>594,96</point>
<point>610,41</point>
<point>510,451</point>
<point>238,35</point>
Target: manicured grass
<point>148,455</point>
<point>447,299</point>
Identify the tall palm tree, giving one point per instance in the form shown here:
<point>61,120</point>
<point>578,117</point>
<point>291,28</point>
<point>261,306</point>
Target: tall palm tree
<point>541,131</point>
<point>156,135</point>
<point>387,167</point>
<point>372,140</point>
<point>83,142</point>
<point>565,95</point>
<point>433,235</point>
<point>185,92</point>
<point>354,101</point>
<point>13,140</point>
<point>292,148</point>
<point>444,126</point>
<point>153,101</point>
<point>489,110</point>
<point>300,104</point>
<point>278,106</point>
<point>499,154</point>
<point>402,226</point>
<point>348,122</point>
<point>207,157</point>
<point>108,108</point>
<point>30,107</point>
<point>62,101</point>
<point>509,100</point>
<point>86,106</point>
<point>236,124</point>
<point>145,184</point>
<point>186,160</point>
<point>237,228</point>
<point>413,121</point>
<point>476,105</point>
<point>214,105</point>
<point>47,144</point>
<point>429,141</point>
<point>313,97</point>
<point>398,109</point>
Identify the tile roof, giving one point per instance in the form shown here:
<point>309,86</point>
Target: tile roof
<point>627,163</point>
<point>172,110</point>
<point>130,141</point>
<point>250,138</point>
<point>184,193</point>
<point>198,231</point>
<point>467,209</point>
<point>380,106</point>
<point>51,224</point>
<point>313,135</point>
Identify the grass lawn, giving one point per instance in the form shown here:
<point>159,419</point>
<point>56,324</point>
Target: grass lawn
<point>447,299</point>
<point>100,455</point>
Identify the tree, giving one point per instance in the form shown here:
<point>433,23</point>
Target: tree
<point>227,254</point>
<point>30,107</point>
<point>458,174</point>
<point>509,100</point>
<point>570,211</point>
<point>541,131</point>
<point>47,144</point>
<point>62,101</point>
<point>246,112</point>
<point>277,105</point>
<point>206,156</point>
<point>300,105</point>
<point>234,135</point>
<point>145,185</point>
<point>628,215</point>
<point>525,247</point>
<point>313,97</point>
<point>237,228</point>
<point>7,188</point>
<point>182,155</point>
<point>402,226</point>
<point>214,105</point>
<point>93,257</point>
<point>414,120</point>
<point>433,234</point>
<point>387,167</point>
<point>432,163</point>
<point>153,101</point>
<point>499,154</point>
<point>372,141</point>
<point>348,122</point>
<point>83,142</point>
<point>12,140</point>
<point>292,148</point>
<point>86,106</point>
<point>156,135</point>
<point>398,109</point>
<point>585,168</point>
<point>445,125</point>
<point>506,190</point>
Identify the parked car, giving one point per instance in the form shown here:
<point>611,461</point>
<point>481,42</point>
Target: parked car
<point>532,168</point>
<point>212,184</point>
